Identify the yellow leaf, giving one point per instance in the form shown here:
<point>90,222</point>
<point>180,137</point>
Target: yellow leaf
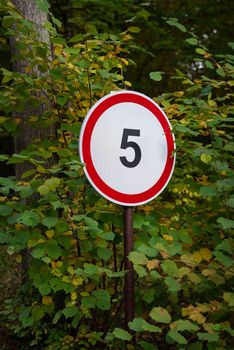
<point>206,254</point>
<point>209,327</point>
<point>47,300</point>
<point>59,263</point>
<point>77,281</point>
<point>67,233</point>
<point>197,316</point>
<point>207,272</point>
<point>152,264</point>
<point>31,243</point>
<point>58,50</point>
<point>179,93</point>
<point>212,103</point>
<point>19,226</point>
<point>183,271</point>
<point>73,242</point>
<point>194,278</point>
<point>73,296</point>
<point>197,257</point>
<point>53,264</point>
<point>124,61</point>
<point>90,287</point>
<point>205,158</point>
<point>163,250</point>
<point>65,279</point>
<point>18,259</point>
<point>41,169</point>
<point>50,233</point>
<point>168,238</point>
<point>187,259</point>
<point>41,240</point>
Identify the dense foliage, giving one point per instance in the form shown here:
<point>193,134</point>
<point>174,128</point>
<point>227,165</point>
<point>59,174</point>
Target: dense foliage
<point>71,296</point>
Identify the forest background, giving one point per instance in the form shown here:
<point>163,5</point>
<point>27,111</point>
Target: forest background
<point>61,259</point>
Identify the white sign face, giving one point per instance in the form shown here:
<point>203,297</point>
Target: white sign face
<point>128,148</point>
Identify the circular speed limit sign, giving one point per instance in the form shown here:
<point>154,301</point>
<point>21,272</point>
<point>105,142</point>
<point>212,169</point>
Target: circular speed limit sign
<point>127,147</point>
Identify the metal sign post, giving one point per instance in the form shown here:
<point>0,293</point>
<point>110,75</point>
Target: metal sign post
<point>128,266</point>
<point>128,149</point>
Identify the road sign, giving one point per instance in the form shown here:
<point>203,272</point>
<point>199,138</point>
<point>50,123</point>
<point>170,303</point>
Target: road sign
<point>127,146</point>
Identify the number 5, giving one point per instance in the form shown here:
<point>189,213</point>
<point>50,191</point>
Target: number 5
<point>126,144</point>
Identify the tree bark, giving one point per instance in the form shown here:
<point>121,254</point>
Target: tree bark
<point>28,134</point>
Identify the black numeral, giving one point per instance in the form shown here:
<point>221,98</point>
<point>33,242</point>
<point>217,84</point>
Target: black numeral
<point>126,144</point>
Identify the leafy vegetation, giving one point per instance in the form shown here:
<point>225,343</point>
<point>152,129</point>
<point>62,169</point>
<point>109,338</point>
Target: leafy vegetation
<point>65,242</point>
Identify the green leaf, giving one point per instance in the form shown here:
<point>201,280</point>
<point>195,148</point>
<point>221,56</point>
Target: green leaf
<point>38,253</point>
<point>61,100</point>
<point>195,346</point>
<point>91,269</point>
<point>5,210</point>
<point>8,21</point>
<point>50,221</point>
<point>29,218</point>
<point>220,72</point>
<point>122,334</point>
<point>140,325</point>
<point>53,250</point>
<point>160,314</point>
<point>43,5</point>
<point>147,346</point>
<point>89,302</point>
<point>104,253</point>
<point>226,223</point>
<point>156,76</point>
<point>185,325</point>
<point>134,29</point>
<point>231,44</point>
<point>149,251</point>
<point>140,270</point>
<point>3,157</point>
<point>37,312</point>
<point>4,237</point>
<point>200,51</point>
<point>174,22</point>
<point>169,267</point>
<point>230,202</point>
<point>186,130</point>
<point>225,245</point>
<point>208,191</point>
<point>108,236</point>
<point>57,316</point>
<point>177,337</point>
<point>224,259</point>
<point>102,299</point>
<point>28,173</point>
<point>44,288</point>
<point>25,313</point>
<point>173,284</point>
<point>229,298</point>
<point>192,41</point>
<point>49,185</point>
<point>138,258</point>
<point>138,221</point>
<point>70,311</point>
<point>210,337</point>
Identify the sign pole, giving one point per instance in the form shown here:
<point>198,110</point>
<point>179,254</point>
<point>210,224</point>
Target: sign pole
<point>129,277</point>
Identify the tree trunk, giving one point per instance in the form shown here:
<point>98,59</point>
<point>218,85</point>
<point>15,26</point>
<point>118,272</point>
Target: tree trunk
<point>28,135</point>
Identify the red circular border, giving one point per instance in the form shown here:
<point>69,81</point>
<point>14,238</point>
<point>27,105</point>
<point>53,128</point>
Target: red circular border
<point>97,112</point>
